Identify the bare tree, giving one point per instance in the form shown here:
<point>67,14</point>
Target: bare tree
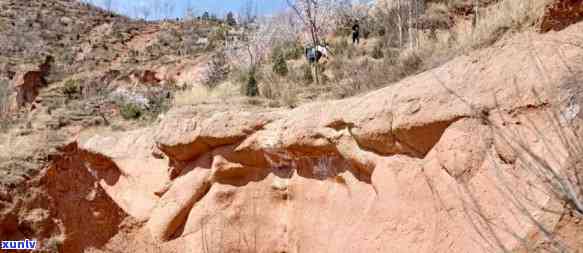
<point>156,6</point>
<point>206,16</point>
<point>190,13</point>
<point>400,19</point>
<point>168,7</point>
<point>307,11</point>
<point>107,4</point>
<point>411,28</point>
<point>248,13</point>
<point>230,19</point>
<point>400,22</point>
<point>317,16</point>
<point>4,94</point>
<point>476,18</point>
<point>146,11</point>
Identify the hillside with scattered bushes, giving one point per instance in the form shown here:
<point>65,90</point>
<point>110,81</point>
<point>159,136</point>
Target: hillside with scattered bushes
<point>330,126</point>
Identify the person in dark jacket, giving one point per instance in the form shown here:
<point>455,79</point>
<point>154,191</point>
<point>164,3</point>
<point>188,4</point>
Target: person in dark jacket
<point>356,33</point>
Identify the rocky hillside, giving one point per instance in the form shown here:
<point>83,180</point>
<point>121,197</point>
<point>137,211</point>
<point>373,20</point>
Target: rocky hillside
<point>86,50</point>
<point>452,160</point>
<point>66,67</point>
<point>480,154</point>
<point>32,29</point>
<point>80,36</point>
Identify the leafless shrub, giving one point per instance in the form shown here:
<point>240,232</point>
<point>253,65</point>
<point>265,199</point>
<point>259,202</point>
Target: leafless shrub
<point>412,37</point>
<point>499,18</point>
<point>557,173</point>
<point>284,93</point>
<point>341,46</point>
<point>538,151</point>
<point>4,93</point>
<point>192,39</point>
<point>195,94</point>
<point>417,37</point>
<point>357,77</point>
<point>55,243</point>
<point>397,21</point>
<point>72,88</point>
<point>318,17</point>
<point>218,69</point>
<point>6,117</point>
<point>258,41</point>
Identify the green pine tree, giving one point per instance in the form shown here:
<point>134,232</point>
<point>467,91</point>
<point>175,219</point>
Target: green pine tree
<point>252,89</point>
<point>280,65</point>
<point>206,15</point>
<point>231,19</point>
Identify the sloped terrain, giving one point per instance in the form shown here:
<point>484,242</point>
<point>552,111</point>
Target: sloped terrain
<point>66,67</point>
<point>429,164</point>
<point>477,155</point>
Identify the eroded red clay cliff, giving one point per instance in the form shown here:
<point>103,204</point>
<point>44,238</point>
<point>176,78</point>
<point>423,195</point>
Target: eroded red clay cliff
<point>430,164</point>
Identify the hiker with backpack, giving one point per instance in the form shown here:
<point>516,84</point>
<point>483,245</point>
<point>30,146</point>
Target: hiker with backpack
<point>315,54</point>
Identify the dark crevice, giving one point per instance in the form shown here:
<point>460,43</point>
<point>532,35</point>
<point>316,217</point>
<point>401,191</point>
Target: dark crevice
<point>419,140</point>
<point>183,216</point>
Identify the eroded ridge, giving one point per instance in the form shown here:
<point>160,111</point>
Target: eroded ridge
<point>430,162</point>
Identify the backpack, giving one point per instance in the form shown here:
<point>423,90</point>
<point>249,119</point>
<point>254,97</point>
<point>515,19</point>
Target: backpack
<point>312,54</point>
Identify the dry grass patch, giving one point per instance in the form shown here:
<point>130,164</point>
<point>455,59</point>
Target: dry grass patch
<point>55,243</point>
<point>496,20</point>
<point>200,93</point>
<point>5,118</point>
<point>440,42</point>
<point>4,93</point>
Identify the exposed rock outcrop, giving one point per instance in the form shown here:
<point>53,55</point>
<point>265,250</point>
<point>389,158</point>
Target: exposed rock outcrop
<point>26,87</point>
<point>148,77</point>
<point>28,82</point>
<point>64,208</point>
<point>560,14</point>
<point>434,163</point>
<point>128,171</point>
